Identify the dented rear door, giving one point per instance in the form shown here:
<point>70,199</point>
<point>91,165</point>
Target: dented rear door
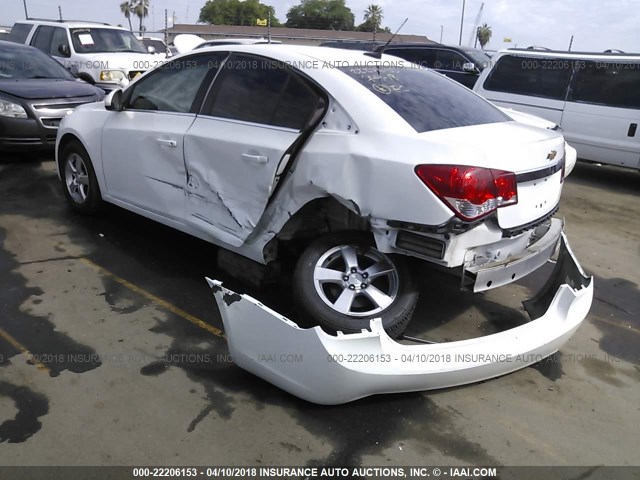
<point>253,116</point>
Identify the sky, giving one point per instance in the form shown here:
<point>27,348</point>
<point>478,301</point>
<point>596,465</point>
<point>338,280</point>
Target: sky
<point>596,24</point>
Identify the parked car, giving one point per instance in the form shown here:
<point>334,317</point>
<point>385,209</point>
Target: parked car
<point>593,97</point>
<point>187,42</point>
<point>3,34</point>
<point>236,41</point>
<point>156,46</point>
<point>35,94</point>
<point>367,164</point>
<point>463,65</point>
<point>106,56</point>
<point>353,45</point>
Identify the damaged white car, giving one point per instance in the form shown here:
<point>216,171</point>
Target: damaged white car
<point>359,161</point>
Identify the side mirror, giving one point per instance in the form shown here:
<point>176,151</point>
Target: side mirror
<point>151,49</point>
<point>113,101</point>
<point>63,50</point>
<point>469,67</point>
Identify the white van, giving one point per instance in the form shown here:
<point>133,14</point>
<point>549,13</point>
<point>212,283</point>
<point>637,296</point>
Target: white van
<point>594,97</point>
<point>106,56</point>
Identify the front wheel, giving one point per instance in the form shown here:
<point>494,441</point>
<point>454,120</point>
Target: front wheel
<point>79,182</point>
<point>342,281</point>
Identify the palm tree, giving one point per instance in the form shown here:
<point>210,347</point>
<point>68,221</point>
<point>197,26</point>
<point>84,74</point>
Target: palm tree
<point>373,15</point>
<point>127,8</point>
<point>484,35</point>
<point>141,9</point>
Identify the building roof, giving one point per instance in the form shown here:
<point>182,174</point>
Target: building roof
<point>290,33</point>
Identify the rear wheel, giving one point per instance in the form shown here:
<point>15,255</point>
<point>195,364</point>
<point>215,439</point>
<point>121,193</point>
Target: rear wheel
<point>343,281</point>
<point>79,182</point>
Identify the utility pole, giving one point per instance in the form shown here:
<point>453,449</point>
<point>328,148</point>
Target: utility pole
<point>269,28</point>
<point>461,22</point>
<point>60,11</point>
<point>26,13</point>
<point>571,43</point>
<point>166,27</point>
<point>441,32</point>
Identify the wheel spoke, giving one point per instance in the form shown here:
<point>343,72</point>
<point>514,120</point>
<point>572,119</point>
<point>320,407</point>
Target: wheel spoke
<point>327,275</point>
<point>381,299</point>
<point>72,164</point>
<point>83,179</point>
<point>344,301</point>
<point>378,270</point>
<point>350,256</point>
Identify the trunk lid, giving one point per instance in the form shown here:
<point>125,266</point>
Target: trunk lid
<point>533,154</point>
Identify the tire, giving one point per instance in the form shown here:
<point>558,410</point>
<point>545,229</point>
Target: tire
<point>79,182</point>
<point>324,286</point>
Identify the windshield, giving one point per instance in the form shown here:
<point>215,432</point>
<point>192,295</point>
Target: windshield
<point>480,58</point>
<point>426,100</point>
<point>105,40</point>
<point>23,63</point>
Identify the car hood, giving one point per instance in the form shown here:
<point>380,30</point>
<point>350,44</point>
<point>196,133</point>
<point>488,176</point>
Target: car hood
<point>47,88</point>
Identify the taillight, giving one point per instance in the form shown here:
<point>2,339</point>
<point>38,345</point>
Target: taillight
<point>471,192</point>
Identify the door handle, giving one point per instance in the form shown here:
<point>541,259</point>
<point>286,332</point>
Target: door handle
<point>167,143</point>
<point>255,158</point>
<point>632,130</point>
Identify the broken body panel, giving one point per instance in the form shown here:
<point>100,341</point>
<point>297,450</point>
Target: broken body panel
<point>326,369</point>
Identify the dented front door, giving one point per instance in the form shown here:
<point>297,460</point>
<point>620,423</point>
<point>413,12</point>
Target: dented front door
<point>252,117</point>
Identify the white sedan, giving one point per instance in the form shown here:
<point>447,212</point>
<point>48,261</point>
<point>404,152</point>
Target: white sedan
<point>357,160</point>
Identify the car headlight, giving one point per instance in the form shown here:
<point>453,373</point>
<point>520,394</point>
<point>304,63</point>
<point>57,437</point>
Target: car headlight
<point>111,75</point>
<point>12,110</point>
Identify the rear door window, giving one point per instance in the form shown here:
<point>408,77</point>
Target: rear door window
<point>20,32</point>
<point>42,39</point>
<point>614,84</point>
<point>534,76</point>
<point>257,90</point>
<point>426,100</point>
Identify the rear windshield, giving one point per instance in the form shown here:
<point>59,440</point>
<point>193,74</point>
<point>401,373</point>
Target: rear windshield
<point>426,100</point>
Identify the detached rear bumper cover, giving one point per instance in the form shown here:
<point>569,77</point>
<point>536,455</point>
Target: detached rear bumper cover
<point>327,369</point>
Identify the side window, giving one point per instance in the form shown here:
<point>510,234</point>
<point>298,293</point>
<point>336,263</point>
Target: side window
<point>42,38</point>
<point>607,83</point>
<point>59,42</point>
<point>20,32</point>
<point>174,86</point>
<point>449,60</point>
<point>262,91</point>
<point>420,56</point>
<point>538,77</point>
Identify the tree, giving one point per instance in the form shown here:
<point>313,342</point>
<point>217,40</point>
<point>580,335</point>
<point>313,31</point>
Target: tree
<point>126,8</point>
<point>321,14</point>
<point>236,12</point>
<point>372,19</point>
<point>141,10</point>
<point>484,35</point>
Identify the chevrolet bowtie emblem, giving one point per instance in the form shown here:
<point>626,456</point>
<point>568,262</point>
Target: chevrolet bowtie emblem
<point>552,155</point>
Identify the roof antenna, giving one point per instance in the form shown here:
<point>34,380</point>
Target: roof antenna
<point>380,51</point>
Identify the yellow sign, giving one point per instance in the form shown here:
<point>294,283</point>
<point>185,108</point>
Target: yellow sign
<point>261,22</point>
<point>507,39</point>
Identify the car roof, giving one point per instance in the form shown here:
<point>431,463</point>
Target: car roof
<point>571,55</point>
<point>288,52</point>
<point>423,45</point>
<point>69,23</point>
